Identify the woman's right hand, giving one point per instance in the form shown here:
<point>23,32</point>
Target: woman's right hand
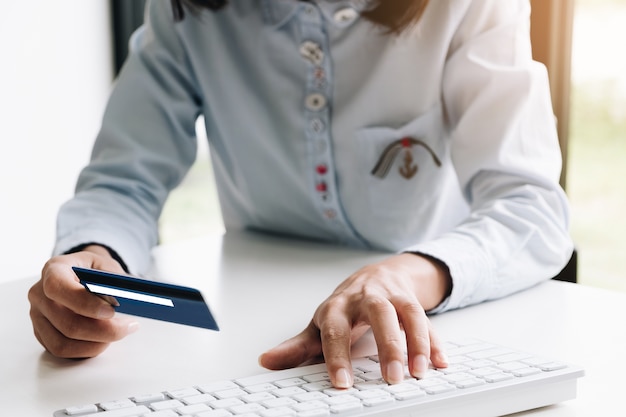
<point>69,321</point>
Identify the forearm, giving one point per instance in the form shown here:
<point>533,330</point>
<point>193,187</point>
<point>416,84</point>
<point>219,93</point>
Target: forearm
<point>517,237</point>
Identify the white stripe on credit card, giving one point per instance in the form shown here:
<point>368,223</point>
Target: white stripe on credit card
<point>116,292</point>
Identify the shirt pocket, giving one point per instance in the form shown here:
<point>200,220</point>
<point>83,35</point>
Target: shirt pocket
<point>404,168</point>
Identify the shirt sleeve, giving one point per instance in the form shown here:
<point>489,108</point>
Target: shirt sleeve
<point>144,148</point>
<point>506,155</point>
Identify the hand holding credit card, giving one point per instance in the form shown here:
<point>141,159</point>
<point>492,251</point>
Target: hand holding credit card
<point>155,300</point>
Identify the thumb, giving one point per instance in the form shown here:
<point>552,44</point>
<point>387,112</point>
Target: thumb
<point>295,351</point>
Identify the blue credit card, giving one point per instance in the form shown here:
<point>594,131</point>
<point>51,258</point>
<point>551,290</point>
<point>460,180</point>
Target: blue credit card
<point>154,300</point>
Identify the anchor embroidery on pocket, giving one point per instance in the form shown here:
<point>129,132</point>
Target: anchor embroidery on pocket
<point>409,168</point>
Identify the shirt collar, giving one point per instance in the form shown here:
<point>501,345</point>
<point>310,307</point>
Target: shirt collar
<point>278,12</point>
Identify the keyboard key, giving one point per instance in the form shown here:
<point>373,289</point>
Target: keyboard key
<point>198,399</point>
<point>469,348</point>
<point>226,403</point>
<point>122,412</point>
<point>230,393</point>
<point>552,366</point>
<point>166,405</point>
<point>181,393</point>
<point>409,395</point>
<point>212,413</point>
<point>278,412</point>
<point>81,409</point>
<point>470,383</point>
<point>290,382</point>
<point>310,396</point>
<point>498,377</point>
<point>257,397</point>
<point>365,365</point>
<point>163,413</point>
<point>511,366</point>
<point>479,363</point>
<point>311,406</point>
<point>366,385</point>
<point>439,389</point>
<point>430,382</point>
<point>454,369</point>
<point>192,409</point>
<point>288,392</point>
<point>535,361</point>
<point>372,376</point>
<point>317,386</point>
<point>488,353</point>
<point>510,357</point>
<point>342,408</point>
<point>247,408</point>
<point>457,377</point>
<point>314,413</point>
<point>148,398</point>
<point>342,399</point>
<point>279,402</point>
<point>217,386</point>
<point>321,376</point>
<point>481,372</point>
<point>252,389</point>
<point>115,405</point>
<point>403,387</point>
<point>378,401</point>
<point>372,393</point>
<point>526,371</point>
<point>335,392</point>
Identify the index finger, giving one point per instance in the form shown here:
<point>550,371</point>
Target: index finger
<point>61,285</point>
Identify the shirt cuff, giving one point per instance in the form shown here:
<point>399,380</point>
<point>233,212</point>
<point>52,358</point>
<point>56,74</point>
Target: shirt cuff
<point>472,272</point>
<point>133,260</point>
<point>113,254</point>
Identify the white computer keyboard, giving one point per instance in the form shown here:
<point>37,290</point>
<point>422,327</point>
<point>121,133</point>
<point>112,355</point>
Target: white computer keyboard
<point>482,380</point>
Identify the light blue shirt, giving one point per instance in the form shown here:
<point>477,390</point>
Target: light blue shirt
<point>440,141</point>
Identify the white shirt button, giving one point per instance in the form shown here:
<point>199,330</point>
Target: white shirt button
<point>315,102</point>
<point>312,52</point>
<point>345,15</point>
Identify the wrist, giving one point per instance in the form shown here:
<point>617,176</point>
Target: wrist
<point>432,277</point>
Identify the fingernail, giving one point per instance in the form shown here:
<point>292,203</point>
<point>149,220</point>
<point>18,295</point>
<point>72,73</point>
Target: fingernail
<point>343,378</point>
<point>395,372</point>
<point>105,312</point>
<point>420,366</point>
<point>132,327</point>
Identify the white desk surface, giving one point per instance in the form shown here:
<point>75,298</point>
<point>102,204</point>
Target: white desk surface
<point>264,290</point>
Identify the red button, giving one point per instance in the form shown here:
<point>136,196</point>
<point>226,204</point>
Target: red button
<point>321,169</point>
<point>321,187</point>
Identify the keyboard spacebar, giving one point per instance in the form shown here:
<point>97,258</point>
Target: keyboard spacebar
<point>121,412</point>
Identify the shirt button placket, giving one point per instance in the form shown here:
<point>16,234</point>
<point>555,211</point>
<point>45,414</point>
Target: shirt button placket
<point>317,112</point>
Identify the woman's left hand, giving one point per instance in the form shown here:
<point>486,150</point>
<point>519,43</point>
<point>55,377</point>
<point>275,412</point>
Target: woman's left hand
<point>392,298</point>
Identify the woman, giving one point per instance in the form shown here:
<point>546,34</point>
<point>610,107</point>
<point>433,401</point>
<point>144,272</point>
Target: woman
<point>421,129</point>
